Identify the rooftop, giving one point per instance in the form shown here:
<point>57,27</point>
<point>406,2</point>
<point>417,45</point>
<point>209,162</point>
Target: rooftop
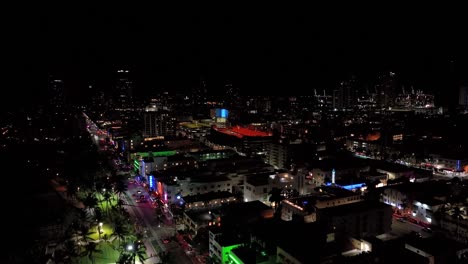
<point>250,255</point>
<point>179,157</point>
<point>202,216</point>
<point>209,178</point>
<point>391,167</point>
<point>241,132</point>
<point>431,245</point>
<point>239,214</point>
<point>423,189</point>
<point>258,179</point>
<point>326,193</point>
<point>341,163</point>
<point>208,196</point>
<point>362,206</point>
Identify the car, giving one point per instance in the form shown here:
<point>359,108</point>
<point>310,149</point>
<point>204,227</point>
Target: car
<point>415,234</point>
<point>401,220</point>
<point>427,229</point>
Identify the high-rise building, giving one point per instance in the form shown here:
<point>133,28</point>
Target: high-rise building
<point>232,97</point>
<point>123,97</point>
<point>199,94</point>
<point>56,93</point>
<point>346,94</point>
<point>386,90</point>
<point>463,97</point>
<point>158,122</point>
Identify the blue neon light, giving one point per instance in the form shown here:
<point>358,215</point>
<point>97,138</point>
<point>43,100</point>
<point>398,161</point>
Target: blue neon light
<point>458,165</point>
<point>224,113</point>
<point>348,187</point>
<point>151,181</point>
<point>353,186</point>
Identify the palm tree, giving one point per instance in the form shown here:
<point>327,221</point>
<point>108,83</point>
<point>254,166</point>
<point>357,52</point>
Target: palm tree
<point>457,214</point>
<point>139,252</point>
<point>107,198</point>
<point>90,201</point>
<point>90,250</point>
<point>86,234</point>
<point>84,220</point>
<point>70,250</point>
<point>120,186</point>
<point>120,231</point>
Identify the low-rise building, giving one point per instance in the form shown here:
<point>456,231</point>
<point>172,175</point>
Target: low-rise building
<point>221,244</point>
<point>196,219</point>
<point>208,200</point>
<point>306,207</point>
<point>258,186</point>
<point>429,250</point>
<point>394,171</point>
<point>358,220</point>
<point>174,188</point>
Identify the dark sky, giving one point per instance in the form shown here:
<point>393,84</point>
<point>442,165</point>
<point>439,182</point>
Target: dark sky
<point>285,50</point>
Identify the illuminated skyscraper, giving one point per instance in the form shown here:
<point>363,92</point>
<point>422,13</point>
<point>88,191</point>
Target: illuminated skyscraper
<point>199,94</point>
<point>56,93</point>
<point>463,97</point>
<point>232,97</point>
<point>158,122</point>
<point>386,90</point>
<point>123,96</point>
<point>346,94</point>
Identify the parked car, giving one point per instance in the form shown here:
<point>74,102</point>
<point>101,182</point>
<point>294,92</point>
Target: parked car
<point>427,229</point>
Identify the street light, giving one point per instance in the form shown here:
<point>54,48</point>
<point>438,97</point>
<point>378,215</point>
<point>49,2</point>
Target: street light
<point>100,231</point>
<point>130,247</point>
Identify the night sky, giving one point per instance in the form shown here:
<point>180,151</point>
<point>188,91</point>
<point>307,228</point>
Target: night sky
<point>292,51</point>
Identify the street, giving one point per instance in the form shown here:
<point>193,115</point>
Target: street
<point>145,216</point>
<point>404,228</point>
<point>156,232</point>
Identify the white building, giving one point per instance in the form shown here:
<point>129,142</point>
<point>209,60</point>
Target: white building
<point>258,186</point>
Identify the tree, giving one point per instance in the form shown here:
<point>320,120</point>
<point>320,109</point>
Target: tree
<point>121,230</point>
<point>68,250</point>
<point>107,198</point>
<point>90,250</point>
<point>457,214</point>
<point>90,201</point>
<point>120,187</point>
<point>139,252</point>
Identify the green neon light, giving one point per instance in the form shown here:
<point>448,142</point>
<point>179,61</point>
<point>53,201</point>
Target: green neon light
<point>235,258</point>
<point>136,165</point>
<point>225,252</point>
<point>157,153</point>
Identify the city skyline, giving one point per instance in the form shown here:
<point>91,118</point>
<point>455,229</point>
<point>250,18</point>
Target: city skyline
<point>289,54</point>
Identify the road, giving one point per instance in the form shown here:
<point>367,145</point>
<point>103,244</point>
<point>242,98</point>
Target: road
<point>155,231</point>
<point>400,228</point>
<point>151,252</point>
<point>145,215</point>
